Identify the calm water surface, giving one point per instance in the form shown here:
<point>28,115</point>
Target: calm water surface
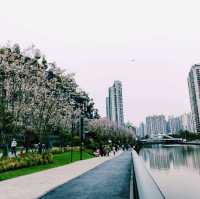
<point>176,169</point>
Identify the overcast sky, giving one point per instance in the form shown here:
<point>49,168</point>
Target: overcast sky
<point>99,39</point>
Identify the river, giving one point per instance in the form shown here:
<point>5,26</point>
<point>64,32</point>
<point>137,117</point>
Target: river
<point>175,168</point>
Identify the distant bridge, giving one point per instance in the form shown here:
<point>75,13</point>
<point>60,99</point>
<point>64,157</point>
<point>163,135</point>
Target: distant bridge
<point>161,139</point>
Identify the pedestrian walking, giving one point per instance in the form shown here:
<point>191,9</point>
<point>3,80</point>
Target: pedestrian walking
<point>107,150</point>
<point>101,150</point>
<point>13,147</point>
<point>40,147</point>
<point>97,153</point>
<point>114,151</point>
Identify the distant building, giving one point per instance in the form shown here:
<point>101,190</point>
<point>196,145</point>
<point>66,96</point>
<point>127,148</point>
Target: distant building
<point>108,108</point>
<point>156,125</point>
<point>174,124</point>
<point>194,91</point>
<point>141,130</point>
<point>187,122</point>
<point>114,104</point>
<point>159,125</point>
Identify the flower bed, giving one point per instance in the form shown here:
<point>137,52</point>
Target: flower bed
<point>26,161</point>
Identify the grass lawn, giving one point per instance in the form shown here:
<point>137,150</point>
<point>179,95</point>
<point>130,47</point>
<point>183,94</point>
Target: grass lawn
<point>59,160</point>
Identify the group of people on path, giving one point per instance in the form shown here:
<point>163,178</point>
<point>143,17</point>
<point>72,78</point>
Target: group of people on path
<point>107,150</point>
<point>101,151</point>
<point>37,147</point>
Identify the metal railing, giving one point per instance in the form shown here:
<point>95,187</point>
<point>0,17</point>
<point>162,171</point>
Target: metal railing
<point>144,185</point>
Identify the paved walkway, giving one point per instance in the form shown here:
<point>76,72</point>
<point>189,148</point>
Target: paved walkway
<point>110,180</point>
<point>35,185</point>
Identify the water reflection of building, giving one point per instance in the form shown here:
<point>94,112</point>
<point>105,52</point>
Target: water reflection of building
<point>162,158</point>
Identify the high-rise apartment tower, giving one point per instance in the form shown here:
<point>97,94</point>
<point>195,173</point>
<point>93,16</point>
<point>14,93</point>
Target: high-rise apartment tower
<point>194,91</point>
<point>156,125</point>
<point>114,104</point>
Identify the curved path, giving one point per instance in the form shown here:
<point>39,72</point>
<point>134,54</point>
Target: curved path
<point>108,181</point>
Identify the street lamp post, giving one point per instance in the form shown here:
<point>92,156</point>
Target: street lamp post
<point>81,136</point>
<point>72,130</point>
<point>82,100</point>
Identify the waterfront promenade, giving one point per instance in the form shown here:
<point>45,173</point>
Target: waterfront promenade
<point>110,180</point>
<point>35,185</point>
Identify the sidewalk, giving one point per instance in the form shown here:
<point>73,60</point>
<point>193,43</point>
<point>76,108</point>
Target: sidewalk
<point>110,180</point>
<point>35,185</point>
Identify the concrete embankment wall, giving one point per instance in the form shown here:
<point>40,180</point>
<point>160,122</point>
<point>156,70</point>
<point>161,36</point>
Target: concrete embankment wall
<point>144,185</point>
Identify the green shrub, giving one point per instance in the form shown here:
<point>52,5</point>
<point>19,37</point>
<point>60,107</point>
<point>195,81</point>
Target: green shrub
<point>56,150</point>
<point>28,160</point>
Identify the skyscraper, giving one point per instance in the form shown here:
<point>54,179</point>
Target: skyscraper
<point>141,130</point>
<point>156,125</point>
<point>114,104</point>
<point>174,124</point>
<point>187,122</point>
<point>194,91</point>
<point>108,108</point>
